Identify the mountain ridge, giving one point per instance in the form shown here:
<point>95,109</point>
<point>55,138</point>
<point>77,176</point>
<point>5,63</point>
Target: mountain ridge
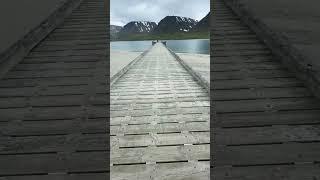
<point>203,24</point>
<point>138,27</point>
<point>169,26</point>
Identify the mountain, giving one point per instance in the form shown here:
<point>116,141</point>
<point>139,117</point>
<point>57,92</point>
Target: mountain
<point>203,24</point>
<point>173,24</point>
<point>114,30</point>
<point>139,27</point>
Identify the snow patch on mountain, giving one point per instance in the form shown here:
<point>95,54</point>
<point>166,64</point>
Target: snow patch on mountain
<point>139,27</point>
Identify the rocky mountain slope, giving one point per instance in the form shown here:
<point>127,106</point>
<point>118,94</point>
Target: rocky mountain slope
<point>114,30</point>
<point>170,27</point>
<point>173,24</point>
<point>138,27</point>
<point>203,24</point>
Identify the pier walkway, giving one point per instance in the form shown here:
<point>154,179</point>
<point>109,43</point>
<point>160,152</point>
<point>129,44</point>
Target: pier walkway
<point>265,121</point>
<point>159,121</point>
<point>54,102</point>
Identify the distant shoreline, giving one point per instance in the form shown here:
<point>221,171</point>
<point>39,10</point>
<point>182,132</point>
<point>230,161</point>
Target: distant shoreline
<point>161,39</point>
<point>173,36</point>
<point>127,51</point>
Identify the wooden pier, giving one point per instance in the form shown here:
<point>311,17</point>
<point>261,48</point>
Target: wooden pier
<point>265,122</point>
<point>54,103</point>
<point>159,121</point>
<point>260,123</point>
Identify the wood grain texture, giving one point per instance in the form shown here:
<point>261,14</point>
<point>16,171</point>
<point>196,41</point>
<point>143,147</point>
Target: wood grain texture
<point>265,121</point>
<point>54,103</point>
<point>159,121</point>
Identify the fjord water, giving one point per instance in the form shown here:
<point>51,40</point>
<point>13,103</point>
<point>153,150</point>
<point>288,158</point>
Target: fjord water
<point>196,46</point>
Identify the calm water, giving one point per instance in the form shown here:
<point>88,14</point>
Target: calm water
<point>198,46</point>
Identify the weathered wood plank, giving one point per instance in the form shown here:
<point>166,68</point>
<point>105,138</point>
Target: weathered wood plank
<point>53,127</point>
<point>160,128</point>
<point>268,154</point>
<point>261,93</point>
<point>156,154</point>
<point>83,176</point>
<point>258,74</point>
<point>38,163</point>
<point>262,83</point>
<point>267,104</point>
<point>53,143</point>
<point>170,171</point>
<point>268,134</point>
<point>55,65</point>
<point>174,118</point>
<point>268,118</point>
<point>253,66</point>
<point>161,139</point>
<point>292,172</point>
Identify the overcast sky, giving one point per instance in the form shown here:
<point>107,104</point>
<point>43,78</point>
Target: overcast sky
<point>124,11</point>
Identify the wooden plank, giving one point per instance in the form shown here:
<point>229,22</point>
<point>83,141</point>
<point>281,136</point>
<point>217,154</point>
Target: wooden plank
<point>266,83</point>
<point>166,100</point>
<point>161,112</point>
<point>171,171</point>
<point>249,66</point>
<point>268,134</point>
<point>292,172</point>
<point>9,114</point>
<point>68,100</point>
<point>174,118</point>
<point>17,83</point>
<point>53,127</point>
<point>267,105</point>
<point>31,164</point>
<point>71,90</point>
<point>268,118</point>
<point>59,163</point>
<point>53,143</point>
<point>17,92</point>
<point>268,154</point>
<point>161,139</point>
<point>49,73</point>
<point>88,162</point>
<point>156,154</point>
<point>67,52</point>
<point>255,58</point>
<point>55,65</point>
<point>160,128</point>
<point>53,81</point>
<point>240,47</point>
<point>56,111</point>
<point>260,93</point>
<point>70,58</point>
<point>84,176</point>
<point>258,74</point>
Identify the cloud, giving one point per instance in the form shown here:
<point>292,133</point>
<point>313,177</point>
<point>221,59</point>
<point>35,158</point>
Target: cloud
<point>124,11</point>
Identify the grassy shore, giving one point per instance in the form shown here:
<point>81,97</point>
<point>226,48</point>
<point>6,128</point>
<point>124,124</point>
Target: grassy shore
<point>173,36</point>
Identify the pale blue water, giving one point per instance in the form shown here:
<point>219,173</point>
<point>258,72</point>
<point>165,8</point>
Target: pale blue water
<point>198,46</point>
